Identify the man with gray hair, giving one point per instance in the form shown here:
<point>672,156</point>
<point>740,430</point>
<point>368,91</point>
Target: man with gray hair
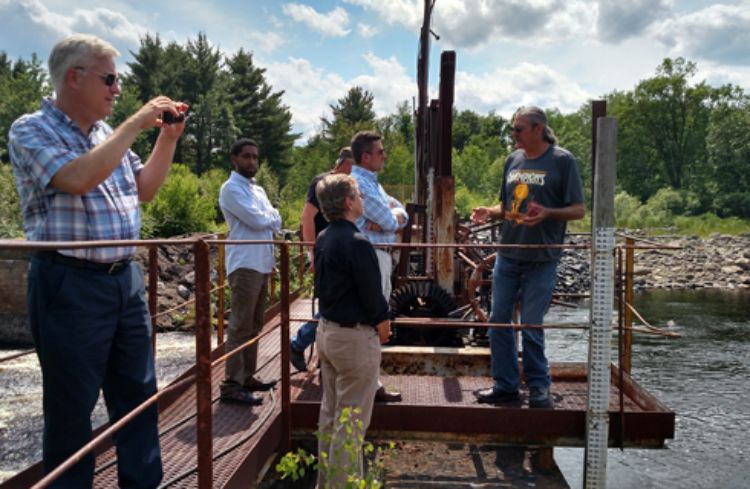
<point>541,192</point>
<point>79,181</point>
<point>313,222</point>
<point>354,322</point>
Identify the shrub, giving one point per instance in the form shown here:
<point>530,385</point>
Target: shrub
<point>11,220</point>
<point>733,204</point>
<point>183,205</point>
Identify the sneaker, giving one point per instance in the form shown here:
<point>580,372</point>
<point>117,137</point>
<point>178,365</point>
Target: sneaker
<point>297,358</point>
<point>539,397</point>
<point>496,396</point>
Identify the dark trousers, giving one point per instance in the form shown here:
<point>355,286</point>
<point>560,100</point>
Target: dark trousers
<point>249,288</point>
<point>92,331</point>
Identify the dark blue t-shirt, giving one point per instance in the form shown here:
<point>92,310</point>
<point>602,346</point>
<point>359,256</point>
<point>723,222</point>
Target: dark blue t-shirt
<point>552,180</point>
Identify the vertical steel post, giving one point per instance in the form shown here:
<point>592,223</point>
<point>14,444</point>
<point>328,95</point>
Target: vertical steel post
<point>627,354</point>
<point>286,406</point>
<point>221,304</point>
<point>153,293</point>
<point>602,298</point>
<point>203,364</point>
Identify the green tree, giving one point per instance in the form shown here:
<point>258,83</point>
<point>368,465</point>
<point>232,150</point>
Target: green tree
<point>353,112</point>
<point>23,84</point>
<point>259,112</point>
<point>728,144</point>
<point>664,123</point>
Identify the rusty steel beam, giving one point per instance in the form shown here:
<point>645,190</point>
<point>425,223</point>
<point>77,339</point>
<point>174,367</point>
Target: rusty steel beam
<point>443,212</point>
<point>203,360</point>
<point>221,296</point>
<point>153,280</point>
<point>286,430</point>
<point>445,118</point>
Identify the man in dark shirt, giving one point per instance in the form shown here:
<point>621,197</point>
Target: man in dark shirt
<point>313,223</point>
<point>541,192</point>
<point>353,324</point>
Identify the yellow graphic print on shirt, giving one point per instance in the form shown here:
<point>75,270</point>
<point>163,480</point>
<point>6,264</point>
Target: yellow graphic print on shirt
<point>519,195</point>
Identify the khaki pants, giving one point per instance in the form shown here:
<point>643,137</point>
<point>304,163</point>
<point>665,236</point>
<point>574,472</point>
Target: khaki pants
<point>246,321</point>
<point>385,263</point>
<point>350,364</point>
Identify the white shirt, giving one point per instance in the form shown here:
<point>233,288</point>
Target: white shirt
<point>250,215</point>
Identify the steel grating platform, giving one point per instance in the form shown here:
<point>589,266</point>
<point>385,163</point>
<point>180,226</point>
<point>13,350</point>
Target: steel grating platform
<point>439,406</point>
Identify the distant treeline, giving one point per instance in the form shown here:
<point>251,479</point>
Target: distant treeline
<point>683,146</point>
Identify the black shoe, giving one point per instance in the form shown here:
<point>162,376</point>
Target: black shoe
<point>382,395</point>
<point>241,396</point>
<point>259,385</point>
<point>539,397</point>
<point>297,358</point>
<point>494,396</point>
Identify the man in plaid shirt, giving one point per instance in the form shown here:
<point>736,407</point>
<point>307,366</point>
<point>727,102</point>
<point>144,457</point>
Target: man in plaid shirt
<point>79,181</point>
<point>383,215</point>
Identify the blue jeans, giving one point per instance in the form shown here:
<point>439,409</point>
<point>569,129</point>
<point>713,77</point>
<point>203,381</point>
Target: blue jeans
<point>305,335</point>
<point>92,331</point>
<point>534,281</point>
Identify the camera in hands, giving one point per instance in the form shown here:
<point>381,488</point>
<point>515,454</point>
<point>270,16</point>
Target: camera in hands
<point>169,118</point>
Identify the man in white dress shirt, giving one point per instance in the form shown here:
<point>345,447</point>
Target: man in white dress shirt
<point>250,216</point>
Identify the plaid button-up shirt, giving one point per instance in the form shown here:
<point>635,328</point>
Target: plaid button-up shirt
<point>40,144</point>
<point>379,207</point>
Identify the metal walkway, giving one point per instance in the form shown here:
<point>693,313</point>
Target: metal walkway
<point>438,405</point>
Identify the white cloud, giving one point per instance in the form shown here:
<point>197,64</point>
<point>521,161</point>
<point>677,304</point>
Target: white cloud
<point>332,24</point>
<point>367,31</point>
<point>30,23</point>
<point>389,83</point>
<point>265,42</point>
<point>475,23</point>
<point>628,18</point>
<point>720,33</point>
<point>505,89</point>
<point>308,91</point>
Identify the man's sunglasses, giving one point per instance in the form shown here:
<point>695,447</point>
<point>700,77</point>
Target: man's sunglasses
<point>108,79</point>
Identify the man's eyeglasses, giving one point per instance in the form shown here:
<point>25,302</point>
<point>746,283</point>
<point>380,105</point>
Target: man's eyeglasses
<point>108,79</point>
<point>378,152</point>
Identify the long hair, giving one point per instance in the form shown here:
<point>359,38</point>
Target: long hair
<point>536,116</point>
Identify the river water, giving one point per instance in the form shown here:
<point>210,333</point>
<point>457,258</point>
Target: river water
<point>703,377</point>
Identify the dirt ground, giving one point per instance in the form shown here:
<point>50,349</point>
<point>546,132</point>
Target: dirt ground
<point>425,464</point>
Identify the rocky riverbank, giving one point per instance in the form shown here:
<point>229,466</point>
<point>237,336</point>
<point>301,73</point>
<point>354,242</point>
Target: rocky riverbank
<point>684,262</point>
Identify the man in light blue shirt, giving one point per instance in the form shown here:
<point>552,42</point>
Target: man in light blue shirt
<point>250,216</point>
<point>383,215</point>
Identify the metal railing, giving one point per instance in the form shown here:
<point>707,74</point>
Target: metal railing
<point>203,328</point>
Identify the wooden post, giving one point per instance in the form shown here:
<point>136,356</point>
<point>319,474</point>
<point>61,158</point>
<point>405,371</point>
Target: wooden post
<point>602,299</point>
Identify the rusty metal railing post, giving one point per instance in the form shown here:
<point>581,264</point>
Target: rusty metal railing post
<point>203,363</point>
<point>153,281</point>
<point>286,413</point>
<point>221,303</point>
<point>627,353</point>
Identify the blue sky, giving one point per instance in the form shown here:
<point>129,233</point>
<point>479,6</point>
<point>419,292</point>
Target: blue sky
<point>552,53</point>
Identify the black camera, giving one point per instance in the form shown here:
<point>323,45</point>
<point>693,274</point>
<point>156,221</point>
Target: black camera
<point>169,118</point>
